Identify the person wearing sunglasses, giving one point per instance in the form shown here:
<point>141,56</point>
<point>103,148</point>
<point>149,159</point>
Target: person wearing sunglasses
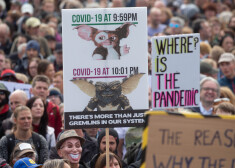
<point>176,25</point>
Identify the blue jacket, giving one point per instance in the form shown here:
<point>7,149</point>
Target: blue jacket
<point>228,82</point>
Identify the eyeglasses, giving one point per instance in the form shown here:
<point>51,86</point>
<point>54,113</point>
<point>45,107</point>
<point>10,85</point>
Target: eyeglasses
<point>210,89</point>
<point>174,25</point>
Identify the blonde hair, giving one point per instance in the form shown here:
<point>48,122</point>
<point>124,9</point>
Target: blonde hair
<point>226,107</point>
<point>16,113</point>
<point>226,92</point>
<point>46,30</point>
<point>55,163</point>
<point>216,52</point>
<point>20,109</point>
<point>205,48</point>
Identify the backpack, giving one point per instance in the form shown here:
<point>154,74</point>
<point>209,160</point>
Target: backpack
<point>11,143</point>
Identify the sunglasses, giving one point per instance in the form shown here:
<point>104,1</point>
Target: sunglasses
<point>174,25</point>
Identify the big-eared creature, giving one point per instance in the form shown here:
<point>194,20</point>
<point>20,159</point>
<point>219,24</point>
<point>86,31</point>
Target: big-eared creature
<point>109,96</point>
<point>107,42</point>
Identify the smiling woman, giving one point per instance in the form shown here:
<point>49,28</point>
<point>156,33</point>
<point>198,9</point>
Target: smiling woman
<point>69,147</point>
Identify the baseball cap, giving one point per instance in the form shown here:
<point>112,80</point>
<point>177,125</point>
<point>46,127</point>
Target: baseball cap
<point>33,22</point>
<point>66,135</point>
<point>21,149</point>
<point>27,8</point>
<point>226,57</point>
<point>206,68</point>
<point>34,45</point>
<point>7,73</point>
<point>26,163</point>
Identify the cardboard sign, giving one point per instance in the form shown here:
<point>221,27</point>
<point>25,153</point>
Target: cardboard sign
<point>105,67</point>
<point>12,86</point>
<point>175,71</point>
<point>188,141</point>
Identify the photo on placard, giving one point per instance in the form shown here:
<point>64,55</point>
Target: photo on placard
<point>108,95</point>
<point>107,42</point>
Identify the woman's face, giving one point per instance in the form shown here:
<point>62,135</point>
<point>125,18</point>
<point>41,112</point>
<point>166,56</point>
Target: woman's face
<point>24,120</point>
<point>37,108</point>
<point>33,68</point>
<point>50,72</point>
<point>71,150</point>
<point>228,44</point>
<point>113,163</point>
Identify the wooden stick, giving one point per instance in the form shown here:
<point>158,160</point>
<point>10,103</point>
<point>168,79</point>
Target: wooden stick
<point>107,147</point>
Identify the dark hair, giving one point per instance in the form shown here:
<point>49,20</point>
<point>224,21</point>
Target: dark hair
<point>197,25</point>
<point>225,36</point>
<point>112,132</point>
<point>35,59</point>
<point>42,66</point>
<point>101,161</point>
<point>44,119</point>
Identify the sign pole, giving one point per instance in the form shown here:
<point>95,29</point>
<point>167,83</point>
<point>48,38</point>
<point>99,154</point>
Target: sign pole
<point>107,147</point>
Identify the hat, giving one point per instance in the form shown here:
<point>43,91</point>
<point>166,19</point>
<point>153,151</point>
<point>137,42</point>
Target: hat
<point>206,68</point>
<point>7,73</point>
<point>112,132</point>
<point>4,88</point>
<point>226,57</point>
<point>27,8</point>
<point>33,44</point>
<point>66,135</point>
<point>55,92</point>
<point>58,47</point>
<point>22,148</point>
<point>33,22</point>
<point>26,163</point>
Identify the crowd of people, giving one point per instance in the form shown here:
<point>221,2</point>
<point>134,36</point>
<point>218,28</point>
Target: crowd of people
<point>32,129</point>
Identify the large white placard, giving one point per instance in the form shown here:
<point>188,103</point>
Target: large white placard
<point>175,71</point>
<point>12,86</point>
<point>105,67</point>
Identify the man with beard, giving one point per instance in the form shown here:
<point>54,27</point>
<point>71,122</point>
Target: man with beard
<point>209,91</point>
<point>113,145</point>
<point>4,107</point>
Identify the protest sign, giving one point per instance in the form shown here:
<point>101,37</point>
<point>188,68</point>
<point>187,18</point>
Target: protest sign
<point>188,140</point>
<point>105,67</point>
<point>12,86</point>
<point>175,71</point>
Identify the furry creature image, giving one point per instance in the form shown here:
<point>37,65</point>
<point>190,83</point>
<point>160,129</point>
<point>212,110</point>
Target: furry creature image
<point>109,96</point>
<point>107,42</point>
